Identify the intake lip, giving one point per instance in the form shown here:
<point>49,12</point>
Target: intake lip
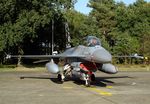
<point>101,56</point>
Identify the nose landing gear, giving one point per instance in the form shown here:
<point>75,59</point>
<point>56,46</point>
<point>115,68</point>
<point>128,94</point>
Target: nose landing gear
<point>88,79</point>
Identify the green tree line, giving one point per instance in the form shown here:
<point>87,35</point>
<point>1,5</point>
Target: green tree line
<point>26,26</point>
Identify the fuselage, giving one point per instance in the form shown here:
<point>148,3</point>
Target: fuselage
<point>95,54</point>
<point>95,58</point>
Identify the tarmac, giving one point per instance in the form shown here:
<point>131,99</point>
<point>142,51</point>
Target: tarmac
<point>21,87</point>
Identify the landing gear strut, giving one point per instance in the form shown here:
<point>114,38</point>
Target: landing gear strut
<point>87,83</point>
<point>89,79</point>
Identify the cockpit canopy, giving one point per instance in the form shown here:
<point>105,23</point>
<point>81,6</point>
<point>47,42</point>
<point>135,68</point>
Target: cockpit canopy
<point>92,41</point>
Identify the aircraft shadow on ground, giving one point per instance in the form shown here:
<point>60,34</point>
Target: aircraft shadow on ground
<point>55,80</point>
<point>100,81</point>
<point>104,81</point>
<point>34,77</point>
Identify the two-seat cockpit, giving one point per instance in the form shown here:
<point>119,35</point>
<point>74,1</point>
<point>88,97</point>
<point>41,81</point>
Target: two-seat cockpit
<point>92,41</point>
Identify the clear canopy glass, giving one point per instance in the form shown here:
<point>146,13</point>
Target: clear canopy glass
<point>92,41</point>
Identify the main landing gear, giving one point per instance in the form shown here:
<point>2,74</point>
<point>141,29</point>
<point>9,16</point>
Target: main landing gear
<point>66,71</point>
<point>60,78</point>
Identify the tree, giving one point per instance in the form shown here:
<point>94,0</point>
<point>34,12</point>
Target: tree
<point>77,26</point>
<point>121,26</point>
<point>103,11</point>
<point>30,21</point>
<point>142,25</point>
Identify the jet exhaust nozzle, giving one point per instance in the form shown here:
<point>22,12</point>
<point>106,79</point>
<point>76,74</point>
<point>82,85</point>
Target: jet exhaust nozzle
<point>52,67</point>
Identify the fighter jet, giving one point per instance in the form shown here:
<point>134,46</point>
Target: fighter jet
<point>81,61</point>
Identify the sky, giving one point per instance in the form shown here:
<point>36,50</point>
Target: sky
<point>81,5</point>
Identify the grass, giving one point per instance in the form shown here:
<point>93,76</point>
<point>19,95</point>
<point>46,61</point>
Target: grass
<point>129,67</point>
<point>21,68</point>
<point>121,67</point>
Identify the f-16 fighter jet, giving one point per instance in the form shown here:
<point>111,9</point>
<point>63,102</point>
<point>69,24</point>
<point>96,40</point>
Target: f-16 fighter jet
<point>81,61</point>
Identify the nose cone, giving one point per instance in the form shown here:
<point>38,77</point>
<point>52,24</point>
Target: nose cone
<point>101,56</point>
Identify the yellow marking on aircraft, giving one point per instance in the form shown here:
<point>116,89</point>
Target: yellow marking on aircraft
<point>101,92</point>
<point>109,86</point>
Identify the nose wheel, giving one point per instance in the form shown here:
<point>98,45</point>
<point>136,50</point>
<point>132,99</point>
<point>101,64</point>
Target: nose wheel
<point>89,79</point>
<point>87,83</point>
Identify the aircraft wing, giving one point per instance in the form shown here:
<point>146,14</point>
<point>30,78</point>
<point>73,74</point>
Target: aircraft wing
<point>44,56</point>
<point>141,57</point>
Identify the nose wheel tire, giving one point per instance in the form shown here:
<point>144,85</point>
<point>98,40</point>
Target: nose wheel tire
<point>87,80</point>
<point>87,83</point>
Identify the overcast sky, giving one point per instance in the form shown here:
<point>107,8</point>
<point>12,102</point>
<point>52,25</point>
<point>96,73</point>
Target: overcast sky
<point>81,5</point>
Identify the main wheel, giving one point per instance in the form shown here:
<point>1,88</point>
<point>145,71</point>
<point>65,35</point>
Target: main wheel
<point>93,77</point>
<point>59,77</point>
